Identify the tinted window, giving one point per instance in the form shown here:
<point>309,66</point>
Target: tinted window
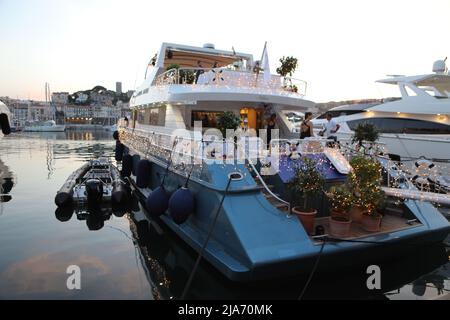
<point>208,118</point>
<point>399,125</point>
<point>151,116</point>
<point>339,113</point>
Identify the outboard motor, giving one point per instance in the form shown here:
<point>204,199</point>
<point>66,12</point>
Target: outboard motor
<point>94,190</point>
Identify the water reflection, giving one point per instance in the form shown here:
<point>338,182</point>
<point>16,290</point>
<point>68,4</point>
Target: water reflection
<point>124,254</point>
<point>95,217</point>
<point>6,184</point>
<point>169,263</point>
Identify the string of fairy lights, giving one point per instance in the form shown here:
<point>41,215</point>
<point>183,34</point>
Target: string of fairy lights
<point>232,79</point>
<point>188,153</point>
<point>413,179</point>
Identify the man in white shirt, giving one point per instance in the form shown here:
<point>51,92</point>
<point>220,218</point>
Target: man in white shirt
<point>331,127</point>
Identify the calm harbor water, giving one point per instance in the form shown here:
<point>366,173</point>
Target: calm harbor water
<point>121,258</point>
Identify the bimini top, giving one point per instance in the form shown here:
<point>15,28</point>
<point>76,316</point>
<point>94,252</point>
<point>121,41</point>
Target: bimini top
<point>438,81</point>
<point>189,56</point>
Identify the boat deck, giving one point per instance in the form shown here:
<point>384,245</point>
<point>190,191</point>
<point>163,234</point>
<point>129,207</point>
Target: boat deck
<point>390,223</point>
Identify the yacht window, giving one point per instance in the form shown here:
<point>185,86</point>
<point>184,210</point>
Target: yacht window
<point>410,92</point>
<point>151,116</point>
<point>295,119</point>
<point>339,113</point>
<point>401,125</point>
<point>208,118</point>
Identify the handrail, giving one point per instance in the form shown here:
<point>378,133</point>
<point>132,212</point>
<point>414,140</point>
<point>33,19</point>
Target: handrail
<point>252,166</point>
<point>190,76</point>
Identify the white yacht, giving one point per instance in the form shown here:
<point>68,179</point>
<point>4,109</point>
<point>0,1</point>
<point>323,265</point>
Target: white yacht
<point>233,217</point>
<point>174,98</point>
<point>416,125</point>
<point>5,119</point>
<point>44,126</point>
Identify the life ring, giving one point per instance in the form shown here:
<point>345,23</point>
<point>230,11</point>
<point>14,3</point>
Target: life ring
<point>217,75</point>
<point>293,150</point>
<point>424,169</point>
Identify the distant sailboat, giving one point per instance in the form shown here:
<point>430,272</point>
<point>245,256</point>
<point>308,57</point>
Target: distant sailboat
<point>46,125</point>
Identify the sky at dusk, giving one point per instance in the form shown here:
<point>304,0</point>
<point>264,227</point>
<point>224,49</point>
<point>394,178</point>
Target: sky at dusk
<point>342,46</point>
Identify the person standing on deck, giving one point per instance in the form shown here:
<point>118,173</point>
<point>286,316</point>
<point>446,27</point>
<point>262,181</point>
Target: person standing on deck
<point>306,127</point>
<point>331,127</point>
<point>270,127</point>
<point>199,71</point>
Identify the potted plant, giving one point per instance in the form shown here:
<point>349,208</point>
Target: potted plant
<point>227,120</point>
<point>306,182</point>
<point>365,132</point>
<point>365,181</point>
<point>341,200</point>
<point>184,76</point>
<point>373,200</point>
<point>288,66</point>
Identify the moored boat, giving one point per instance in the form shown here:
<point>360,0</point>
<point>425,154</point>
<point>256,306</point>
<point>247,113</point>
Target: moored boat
<point>94,183</point>
<point>235,211</point>
<point>44,126</point>
<point>413,126</point>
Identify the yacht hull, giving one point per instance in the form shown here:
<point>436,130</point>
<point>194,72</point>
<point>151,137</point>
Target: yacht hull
<point>254,241</point>
<point>410,146</point>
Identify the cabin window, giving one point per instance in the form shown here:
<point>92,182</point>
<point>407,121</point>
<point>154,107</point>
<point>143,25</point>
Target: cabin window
<point>151,116</point>
<point>339,113</point>
<point>401,125</point>
<point>208,118</point>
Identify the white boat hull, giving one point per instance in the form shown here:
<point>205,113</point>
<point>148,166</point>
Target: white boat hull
<point>56,128</point>
<point>413,146</point>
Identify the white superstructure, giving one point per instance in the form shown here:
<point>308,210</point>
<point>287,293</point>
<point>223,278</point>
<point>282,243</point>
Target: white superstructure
<point>417,125</point>
<point>187,84</point>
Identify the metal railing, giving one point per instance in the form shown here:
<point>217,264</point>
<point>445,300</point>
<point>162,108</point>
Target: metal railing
<point>230,78</point>
<point>266,187</point>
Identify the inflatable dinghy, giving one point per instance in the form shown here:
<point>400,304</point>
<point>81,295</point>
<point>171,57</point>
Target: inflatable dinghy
<point>97,181</point>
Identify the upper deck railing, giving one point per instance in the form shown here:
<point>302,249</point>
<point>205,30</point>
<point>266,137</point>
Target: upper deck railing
<point>230,78</point>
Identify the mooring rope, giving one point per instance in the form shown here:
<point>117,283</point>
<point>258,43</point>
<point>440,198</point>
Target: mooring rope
<point>202,251</point>
<point>313,271</point>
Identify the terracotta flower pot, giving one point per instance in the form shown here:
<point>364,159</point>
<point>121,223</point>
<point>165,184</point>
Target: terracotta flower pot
<point>371,223</point>
<point>306,218</point>
<point>356,213</point>
<point>340,226</point>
